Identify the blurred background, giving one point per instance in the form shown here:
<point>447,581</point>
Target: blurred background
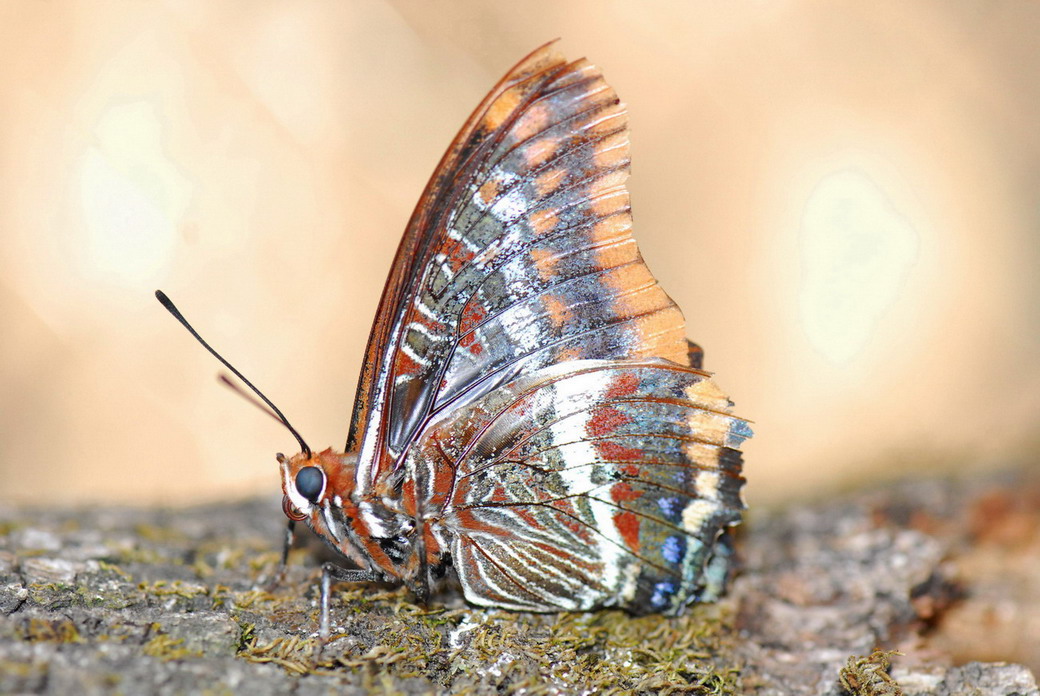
<point>843,197</point>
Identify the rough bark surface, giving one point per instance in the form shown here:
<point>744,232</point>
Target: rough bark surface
<point>98,601</point>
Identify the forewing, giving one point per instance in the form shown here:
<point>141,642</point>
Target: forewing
<point>519,256</point>
<point>594,483</point>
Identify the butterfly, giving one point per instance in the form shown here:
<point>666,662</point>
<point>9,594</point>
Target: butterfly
<point>530,416</point>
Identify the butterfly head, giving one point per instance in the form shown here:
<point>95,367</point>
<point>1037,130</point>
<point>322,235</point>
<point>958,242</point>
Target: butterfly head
<point>319,490</point>
<point>313,482</point>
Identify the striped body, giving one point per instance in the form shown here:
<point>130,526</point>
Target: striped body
<point>528,412</point>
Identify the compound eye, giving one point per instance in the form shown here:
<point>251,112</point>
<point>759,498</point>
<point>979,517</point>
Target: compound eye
<point>309,482</point>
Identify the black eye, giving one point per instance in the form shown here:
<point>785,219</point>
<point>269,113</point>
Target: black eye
<point>309,482</point>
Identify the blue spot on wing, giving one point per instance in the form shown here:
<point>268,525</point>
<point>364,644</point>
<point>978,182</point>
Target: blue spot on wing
<point>671,508</point>
<point>673,549</point>
<point>662,591</point>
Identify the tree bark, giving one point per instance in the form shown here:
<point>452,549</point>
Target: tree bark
<point>100,600</point>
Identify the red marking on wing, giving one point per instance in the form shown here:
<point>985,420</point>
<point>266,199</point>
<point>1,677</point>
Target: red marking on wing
<point>405,364</point>
<point>565,555</point>
<point>627,525</point>
<point>469,521</point>
<point>624,384</point>
<point>605,420</point>
<point>459,258</point>
<point>630,470</point>
<point>525,514</point>
<point>472,315</point>
<point>621,492</point>
<point>432,324</point>
<point>615,452</point>
<point>568,518</point>
<point>471,318</point>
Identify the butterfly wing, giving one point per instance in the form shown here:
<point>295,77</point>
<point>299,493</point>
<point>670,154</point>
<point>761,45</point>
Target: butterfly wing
<point>588,484</point>
<point>519,255</point>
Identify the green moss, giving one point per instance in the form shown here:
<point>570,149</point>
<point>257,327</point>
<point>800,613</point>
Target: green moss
<point>221,595</point>
<point>52,595</point>
<point>252,598</point>
<point>166,648</point>
<point>263,561</point>
<point>650,654</point>
<point>51,631</point>
<point>293,654</point>
<point>471,649</point>
<point>114,569</point>
<point>176,588</point>
<point>246,636</point>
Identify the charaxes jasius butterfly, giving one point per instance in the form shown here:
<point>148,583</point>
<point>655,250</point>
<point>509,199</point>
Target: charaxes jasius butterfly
<point>530,413</point>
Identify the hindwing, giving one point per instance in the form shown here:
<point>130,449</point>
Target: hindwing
<point>594,483</point>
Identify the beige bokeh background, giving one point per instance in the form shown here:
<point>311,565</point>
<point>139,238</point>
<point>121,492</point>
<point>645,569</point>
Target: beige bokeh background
<point>844,198</point>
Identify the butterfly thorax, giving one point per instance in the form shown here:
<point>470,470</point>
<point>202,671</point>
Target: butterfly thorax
<point>377,530</point>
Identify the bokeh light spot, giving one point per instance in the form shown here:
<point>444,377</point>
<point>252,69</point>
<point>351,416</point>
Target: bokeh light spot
<point>856,253</point>
<point>132,196</point>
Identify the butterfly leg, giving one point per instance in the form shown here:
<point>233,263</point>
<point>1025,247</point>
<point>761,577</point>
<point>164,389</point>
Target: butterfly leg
<point>287,542</point>
<point>290,537</point>
<point>421,586</point>
<point>330,572</point>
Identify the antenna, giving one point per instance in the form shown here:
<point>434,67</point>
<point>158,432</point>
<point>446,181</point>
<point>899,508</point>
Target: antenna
<point>172,309</point>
